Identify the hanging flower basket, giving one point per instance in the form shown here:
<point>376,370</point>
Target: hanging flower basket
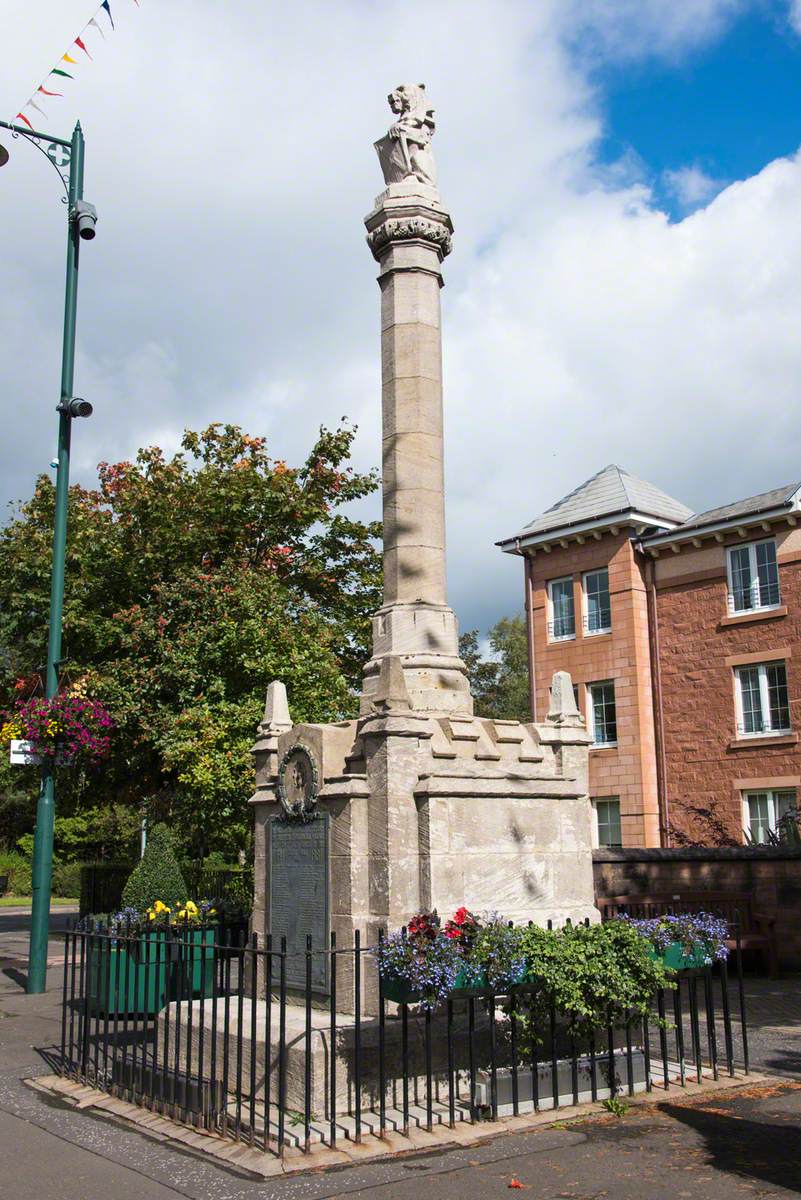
<point>66,730</point>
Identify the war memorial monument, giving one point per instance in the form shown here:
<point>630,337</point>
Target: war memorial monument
<point>417,803</point>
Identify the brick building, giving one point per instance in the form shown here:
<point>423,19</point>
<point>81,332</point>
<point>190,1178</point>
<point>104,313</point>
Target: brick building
<point>682,632</point>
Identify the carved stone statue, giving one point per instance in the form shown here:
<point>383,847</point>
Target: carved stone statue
<point>405,153</point>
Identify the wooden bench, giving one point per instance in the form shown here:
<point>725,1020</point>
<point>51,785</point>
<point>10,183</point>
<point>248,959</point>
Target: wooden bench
<point>757,931</point>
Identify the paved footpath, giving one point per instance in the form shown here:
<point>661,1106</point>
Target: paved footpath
<point>728,1146</point>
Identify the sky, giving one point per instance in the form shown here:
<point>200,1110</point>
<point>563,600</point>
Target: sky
<point>625,184</point>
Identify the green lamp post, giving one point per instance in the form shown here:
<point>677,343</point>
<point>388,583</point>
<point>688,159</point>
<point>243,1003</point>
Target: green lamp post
<point>81,220</point>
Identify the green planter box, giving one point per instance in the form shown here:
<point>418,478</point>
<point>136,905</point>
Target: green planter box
<point>130,978</point>
<point>192,970</point>
<point>401,992</point>
<point>675,958</point>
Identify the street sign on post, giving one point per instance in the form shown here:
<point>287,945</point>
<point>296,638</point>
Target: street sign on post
<point>22,754</point>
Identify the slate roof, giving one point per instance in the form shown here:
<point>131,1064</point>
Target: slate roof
<point>611,491</point>
<point>776,498</point>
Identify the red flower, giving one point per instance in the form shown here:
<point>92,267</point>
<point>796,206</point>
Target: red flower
<point>423,925</point>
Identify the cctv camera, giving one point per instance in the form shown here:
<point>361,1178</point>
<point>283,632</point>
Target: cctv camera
<point>75,407</point>
<point>85,216</point>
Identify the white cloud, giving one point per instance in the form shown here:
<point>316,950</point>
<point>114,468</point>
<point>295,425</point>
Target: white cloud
<point>795,15</point>
<point>231,162</point>
<point>691,185</point>
<point>630,29</point>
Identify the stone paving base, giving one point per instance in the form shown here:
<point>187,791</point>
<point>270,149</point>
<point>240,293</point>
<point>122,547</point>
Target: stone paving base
<point>257,1162</point>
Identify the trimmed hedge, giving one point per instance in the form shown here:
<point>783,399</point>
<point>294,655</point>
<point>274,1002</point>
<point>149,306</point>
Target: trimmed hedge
<point>157,876</point>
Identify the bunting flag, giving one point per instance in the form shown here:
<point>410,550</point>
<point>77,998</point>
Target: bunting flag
<point>91,26</point>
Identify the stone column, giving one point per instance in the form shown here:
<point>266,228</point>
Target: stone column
<point>409,233</point>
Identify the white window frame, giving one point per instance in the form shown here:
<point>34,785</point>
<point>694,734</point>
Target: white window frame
<point>596,838</point>
<point>562,637</point>
<point>756,605</point>
<point>764,700</point>
<point>590,710</point>
<point>780,800</point>
<point>586,608</point>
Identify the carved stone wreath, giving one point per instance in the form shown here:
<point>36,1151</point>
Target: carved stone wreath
<point>407,229</point>
<point>298,783</point>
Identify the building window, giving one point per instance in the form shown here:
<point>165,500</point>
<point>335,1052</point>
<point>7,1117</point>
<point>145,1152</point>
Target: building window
<point>597,609</point>
<point>763,812</point>
<point>562,624</point>
<point>753,577</point>
<point>601,713</point>
<point>762,702</point>
<point>606,814</point>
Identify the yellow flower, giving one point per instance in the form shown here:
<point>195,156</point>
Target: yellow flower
<point>151,916</point>
<point>191,908</point>
<point>182,915</point>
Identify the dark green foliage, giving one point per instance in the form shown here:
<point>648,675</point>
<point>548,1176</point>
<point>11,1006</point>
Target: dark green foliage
<point>500,683</point>
<point>592,974</point>
<point>158,875</point>
<point>67,880</point>
<point>18,870</point>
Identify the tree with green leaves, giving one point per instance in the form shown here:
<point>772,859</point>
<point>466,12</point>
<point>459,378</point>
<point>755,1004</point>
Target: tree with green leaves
<point>192,581</point>
<point>499,680</point>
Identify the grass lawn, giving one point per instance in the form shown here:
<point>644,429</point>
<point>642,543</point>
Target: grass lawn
<point>25,901</point>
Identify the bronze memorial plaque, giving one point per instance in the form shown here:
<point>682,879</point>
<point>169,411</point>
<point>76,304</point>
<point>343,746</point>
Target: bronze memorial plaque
<point>299,897</point>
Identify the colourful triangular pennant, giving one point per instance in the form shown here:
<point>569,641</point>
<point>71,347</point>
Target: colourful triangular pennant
<point>79,43</point>
<point>45,92</point>
<point>98,28</point>
<point>107,7</point>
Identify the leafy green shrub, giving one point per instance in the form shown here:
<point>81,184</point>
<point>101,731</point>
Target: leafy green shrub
<point>67,880</point>
<point>594,974</point>
<point>158,875</point>
<point>18,870</point>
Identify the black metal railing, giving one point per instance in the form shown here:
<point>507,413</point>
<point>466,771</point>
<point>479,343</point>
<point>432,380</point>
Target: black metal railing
<point>208,1032</point>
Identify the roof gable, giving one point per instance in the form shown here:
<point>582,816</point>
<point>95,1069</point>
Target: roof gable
<point>610,491</point>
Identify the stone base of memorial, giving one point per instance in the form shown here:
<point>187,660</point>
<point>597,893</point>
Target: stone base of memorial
<point>254,1043</point>
<point>415,812</point>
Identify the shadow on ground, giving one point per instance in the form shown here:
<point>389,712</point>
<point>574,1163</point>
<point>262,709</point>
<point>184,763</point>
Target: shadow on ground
<point>750,1149</point>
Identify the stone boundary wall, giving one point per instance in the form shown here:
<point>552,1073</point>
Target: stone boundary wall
<point>771,875</point>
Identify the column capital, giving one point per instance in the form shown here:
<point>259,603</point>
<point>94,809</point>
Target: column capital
<point>408,214</point>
